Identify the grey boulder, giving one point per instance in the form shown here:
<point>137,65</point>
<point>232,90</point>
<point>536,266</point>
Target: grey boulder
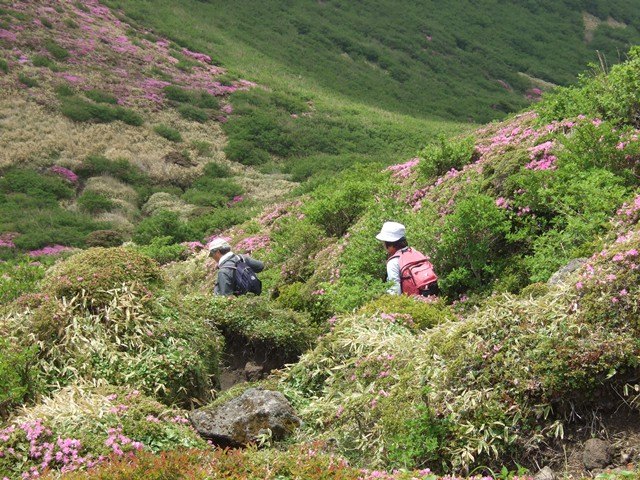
<point>566,272</point>
<point>244,419</point>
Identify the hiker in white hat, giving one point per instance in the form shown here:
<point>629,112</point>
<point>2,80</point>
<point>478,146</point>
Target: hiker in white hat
<point>236,273</point>
<point>408,270</point>
<point>392,235</point>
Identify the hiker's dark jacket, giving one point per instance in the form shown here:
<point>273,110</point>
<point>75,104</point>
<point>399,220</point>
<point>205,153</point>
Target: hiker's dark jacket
<point>226,276</point>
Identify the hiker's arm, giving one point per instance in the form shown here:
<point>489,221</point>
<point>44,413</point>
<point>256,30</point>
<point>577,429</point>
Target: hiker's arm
<point>393,275</point>
<point>256,265</point>
<point>225,282</point>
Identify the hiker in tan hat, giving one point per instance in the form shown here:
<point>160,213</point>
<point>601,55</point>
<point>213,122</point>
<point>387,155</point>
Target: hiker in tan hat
<point>236,273</point>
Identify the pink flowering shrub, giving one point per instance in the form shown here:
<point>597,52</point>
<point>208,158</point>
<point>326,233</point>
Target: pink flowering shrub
<point>105,425</point>
<point>65,173</point>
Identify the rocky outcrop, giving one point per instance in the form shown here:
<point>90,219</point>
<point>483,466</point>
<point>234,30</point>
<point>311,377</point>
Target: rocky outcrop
<point>565,272</point>
<point>244,419</point>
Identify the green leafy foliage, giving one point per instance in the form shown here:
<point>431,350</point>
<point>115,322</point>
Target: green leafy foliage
<point>193,113</point>
<point>167,132</point>
<point>414,312</point>
<point>28,81</point>
<point>104,238</point>
<point>162,224</point>
<point>92,202</point>
<point>163,251</point>
<point>438,158</point>
<point>99,96</point>
<point>56,51</point>
<point>80,110</point>
<point>4,66</point>
<point>15,379</point>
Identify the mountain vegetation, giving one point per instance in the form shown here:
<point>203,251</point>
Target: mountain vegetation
<point>131,137</point>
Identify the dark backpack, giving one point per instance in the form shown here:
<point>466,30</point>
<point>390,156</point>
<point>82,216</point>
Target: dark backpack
<point>245,278</point>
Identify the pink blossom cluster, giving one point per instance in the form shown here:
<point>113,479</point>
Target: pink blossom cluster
<point>541,157</point>
<point>64,172</point>
<point>120,442</point>
<point>278,211</point>
<point>43,449</point>
<point>251,244</point>
<point>193,247</point>
<point>228,109</point>
<point>236,199</point>
<point>403,170</point>
<point>201,57</point>
<point>50,250</point>
<point>628,214</point>
<point>6,240</point>
<point>398,318</point>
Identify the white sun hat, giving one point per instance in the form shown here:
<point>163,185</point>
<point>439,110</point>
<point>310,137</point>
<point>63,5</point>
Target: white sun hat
<point>391,232</point>
<point>218,244</point>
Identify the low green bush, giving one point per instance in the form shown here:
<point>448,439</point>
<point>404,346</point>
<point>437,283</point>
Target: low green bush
<point>35,185</point>
<point>245,152</point>
<point>100,96</point>
<point>121,168</point>
<point>28,81</point>
<point>250,320</point>
<point>218,220</point>
<point>195,114</point>
<point>95,271</point>
<point>4,66</point>
<point>104,238</point>
<point>42,61</point>
<point>413,312</point>
<point>163,251</point>
<point>162,224</point>
<point>167,132</point>
<point>80,110</point>
<point>438,158</point>
<point>15,377</point>
<point>56,51</point>
<point>472,245</point>
<point>19,277</point>
<point>92,202</point>
<point>335,206</point>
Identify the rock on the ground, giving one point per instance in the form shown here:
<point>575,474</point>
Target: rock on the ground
<point>253,371</point>
<point>545,474</point>
<point>597,454</point>
<point>565,272</point>
<point>244,419</point>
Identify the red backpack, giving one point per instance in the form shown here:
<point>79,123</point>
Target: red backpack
<point>416,272</point>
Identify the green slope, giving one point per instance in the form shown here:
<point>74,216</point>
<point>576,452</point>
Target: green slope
<point>426,58</point>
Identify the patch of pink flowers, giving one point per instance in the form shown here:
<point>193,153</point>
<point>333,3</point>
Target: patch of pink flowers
<point>65,173</point>
<point>541,157</point>
<point>403,170</point>
<point>51,250</point>
<point>251,244</point>
<point>193,247</point>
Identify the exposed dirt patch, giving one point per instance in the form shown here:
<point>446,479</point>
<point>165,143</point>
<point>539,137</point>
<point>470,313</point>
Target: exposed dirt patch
<point>591,23</point>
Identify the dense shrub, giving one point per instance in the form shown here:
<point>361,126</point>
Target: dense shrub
<point>212,192</point>
<point>99,96</point>
<point>472,243</point>
<point>438,158</point>
<point>4,66</point>
<point>252,321</point>
<point>124,336</point>
<point>163,251</point>
<point>15,377</point>
<point>120,168</point>
<point>97,270</point>
<point>35,184</point>
<point>193,113</point>
<point>27,80</point>
<point>167,132</point>
<point>18,278</point>
<point>413,312</point>
<point>58,52</point>
<point>92,202</point>
<point>104,238</point>
<point>162,224</point>
<point>336,205</point>
<point>218,220</point>
<point>80,110</point>
<point>612,96</point>
<point>82,426</point>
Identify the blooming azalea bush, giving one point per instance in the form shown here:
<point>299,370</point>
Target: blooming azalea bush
<point>81,427</point>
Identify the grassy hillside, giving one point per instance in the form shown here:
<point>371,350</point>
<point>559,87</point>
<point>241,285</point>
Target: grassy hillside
<point>409,57</point>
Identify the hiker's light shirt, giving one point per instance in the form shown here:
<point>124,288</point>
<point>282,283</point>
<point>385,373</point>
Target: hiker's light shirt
<point>393,275</point>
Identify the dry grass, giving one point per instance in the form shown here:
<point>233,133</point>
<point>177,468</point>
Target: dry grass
<point>112,188</point>
<point>167,201</point>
